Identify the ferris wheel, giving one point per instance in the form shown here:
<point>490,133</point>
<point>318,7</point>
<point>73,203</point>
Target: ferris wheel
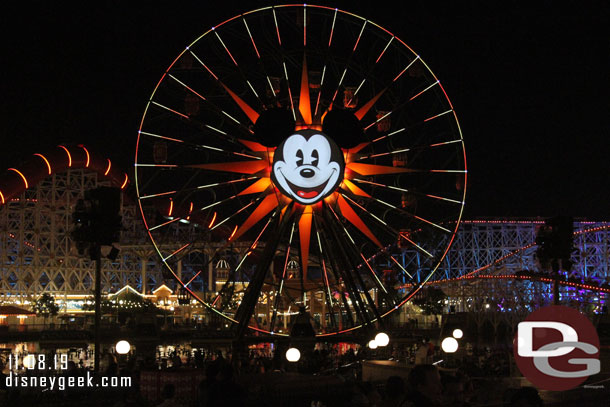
<point>322,143</point>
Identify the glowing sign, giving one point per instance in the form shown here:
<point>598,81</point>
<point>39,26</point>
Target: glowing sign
<point>307,166</point>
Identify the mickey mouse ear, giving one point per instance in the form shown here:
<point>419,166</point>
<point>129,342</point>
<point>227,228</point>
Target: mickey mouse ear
<point>273,126</point>
<point>344,128</point>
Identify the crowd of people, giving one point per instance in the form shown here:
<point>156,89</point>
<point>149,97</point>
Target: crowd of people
<point>220,380</point>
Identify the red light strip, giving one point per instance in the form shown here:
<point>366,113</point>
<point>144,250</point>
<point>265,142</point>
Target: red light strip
<point>435,83</point>
<point>164,224</point>
<point>125,182</point>
<point>438,115</point>
<point>69,156</point>
<point>170,110</point>
<point>386,47</point>
<point>161,137</point>
<point>359,35</point>
<point>378,120</point>
<point>277,29</point>
<point>373,273</point>
<point>177,251</point>
<point>332,102</point>
<point>87,153</point>
<point>225,47</point>
<point>204,65</point>
<point>332,28</point>
<point>229,217</point>
<point>400,265</point>
<point>186,86</point>
<point>252,39</point>
<point>21,175</point>
<point>212,222</point>
<point>233,234</point>
<point>304,24</point>
<point>389,135</point>
<point>404,70</point>
<point>108,169</point>
<point>156,195</point>
<point>190,211</point>
<point>46,161</point>
<point>171,207</point>
<point>191,280</point>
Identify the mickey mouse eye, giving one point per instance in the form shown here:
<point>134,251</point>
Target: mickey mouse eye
<point>316,158</point>
<point>299,157</point>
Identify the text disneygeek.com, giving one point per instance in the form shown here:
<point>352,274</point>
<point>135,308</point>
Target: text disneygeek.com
<point>63,382</point>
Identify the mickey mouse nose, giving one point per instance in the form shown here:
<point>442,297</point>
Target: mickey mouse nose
<point>307,173</point>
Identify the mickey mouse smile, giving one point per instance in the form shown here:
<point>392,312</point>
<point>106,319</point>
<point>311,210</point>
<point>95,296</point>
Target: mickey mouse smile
<point>307,166</point>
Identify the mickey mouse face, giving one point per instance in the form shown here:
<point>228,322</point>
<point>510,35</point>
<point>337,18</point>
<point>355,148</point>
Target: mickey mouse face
<point>307,166</point>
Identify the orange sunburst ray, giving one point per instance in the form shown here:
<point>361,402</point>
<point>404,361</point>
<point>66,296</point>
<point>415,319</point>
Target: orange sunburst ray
<point>251,113</point>
<point>356,149</point>
<point>368,105</point>
<point>242,167</point>
<point>354,188</point>
<point>372,169</point>
<point>267,205</point>
<point>304,101</point>
<point>254,146</point>
<point>304,237</point>
<point>352,216</point>
<point>259,186</point>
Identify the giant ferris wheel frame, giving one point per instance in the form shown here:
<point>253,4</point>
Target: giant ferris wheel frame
<point>208,143</point>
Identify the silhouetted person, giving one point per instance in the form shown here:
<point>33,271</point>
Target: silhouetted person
<point>168,393</point>
<point>526,397</point>
<point>394,392</point>
<point>453,392</point>
<point>426,388</point>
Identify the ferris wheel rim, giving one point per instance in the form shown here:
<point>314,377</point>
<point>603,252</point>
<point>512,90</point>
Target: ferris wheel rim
<point>150,101</point>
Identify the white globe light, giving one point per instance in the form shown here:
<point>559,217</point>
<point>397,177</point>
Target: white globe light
<point>458,333</point>
<point>449,345</point>
<point>373,344</point>
<point>122,347</point>
<point>29,361</point>
<point>293,355</point>
<point>382,339</point>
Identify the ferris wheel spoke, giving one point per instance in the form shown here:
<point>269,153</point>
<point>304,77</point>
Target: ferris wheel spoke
<point>209,102</point>
<point>248,111</point>
<point>389,228</point>
<point>349,273</point>
<point>404,150</point>
<point>234,214</point>
<point>327,291</point>
<point>438,115</point>
<point>268,203</point>
<point>259,58</point>
<point>199,146</point>
<point>248,303</point>
<point>304,101</point>
<point>351,251</point>
<point>204,128</point>
<point>404,190</point>
<point>241,167</point>
<point>332,102</point>
<point>207,186</point>
<point>278,293</point>
<point>340,282</point>
<point>373,169</point>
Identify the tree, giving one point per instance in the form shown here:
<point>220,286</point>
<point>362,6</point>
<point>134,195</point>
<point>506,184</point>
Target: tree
<point>46,306</point>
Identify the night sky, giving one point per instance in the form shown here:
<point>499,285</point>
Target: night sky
<point>530,85</point>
